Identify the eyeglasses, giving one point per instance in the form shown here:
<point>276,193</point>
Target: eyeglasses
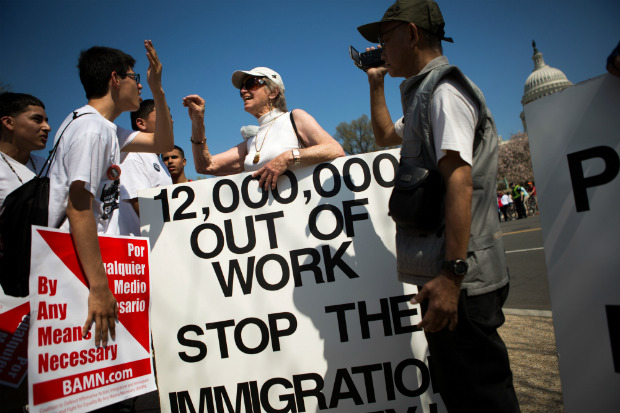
<point>134,76</point>
<point>253,83</point>
<point>381,41</point>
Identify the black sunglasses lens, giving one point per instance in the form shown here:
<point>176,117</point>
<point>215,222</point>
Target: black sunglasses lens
<point>252,83</point>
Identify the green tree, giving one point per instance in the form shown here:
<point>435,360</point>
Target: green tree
<point>357,137</point>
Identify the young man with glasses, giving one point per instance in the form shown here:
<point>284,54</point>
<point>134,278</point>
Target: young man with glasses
<point>460,265</point>
<point>84,176</point>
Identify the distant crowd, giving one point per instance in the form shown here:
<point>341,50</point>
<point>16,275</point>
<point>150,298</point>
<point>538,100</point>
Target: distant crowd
<point>515,202</point>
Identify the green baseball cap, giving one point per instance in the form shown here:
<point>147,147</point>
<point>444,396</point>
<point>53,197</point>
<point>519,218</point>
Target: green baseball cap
<point>422,13</point>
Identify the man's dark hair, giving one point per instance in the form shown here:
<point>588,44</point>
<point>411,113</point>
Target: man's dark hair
<point>178,148</point>
<point>12,104</point>
<point>97,64</point>
<point>146,107</point>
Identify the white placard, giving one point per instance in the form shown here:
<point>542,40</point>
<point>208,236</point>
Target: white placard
<point>574,138</point>
<point>284,300</point>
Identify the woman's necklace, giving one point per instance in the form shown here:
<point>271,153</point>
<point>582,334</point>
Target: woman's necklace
<point>257,156</point>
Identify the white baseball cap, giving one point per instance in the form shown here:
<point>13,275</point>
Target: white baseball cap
<point>240,75</point>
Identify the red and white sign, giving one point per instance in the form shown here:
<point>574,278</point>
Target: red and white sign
<point>14,322</point>
<point>68,372</point>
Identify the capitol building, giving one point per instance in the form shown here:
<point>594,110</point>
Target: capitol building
<point>544,80</point>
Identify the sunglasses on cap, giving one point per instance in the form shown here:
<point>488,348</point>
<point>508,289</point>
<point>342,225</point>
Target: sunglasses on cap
<point>253,83</point>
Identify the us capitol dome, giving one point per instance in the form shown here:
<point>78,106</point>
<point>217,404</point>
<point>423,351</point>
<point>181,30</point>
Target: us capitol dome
<point>543,81</point>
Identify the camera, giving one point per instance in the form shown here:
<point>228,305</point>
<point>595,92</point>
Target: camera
<point>366,60</point>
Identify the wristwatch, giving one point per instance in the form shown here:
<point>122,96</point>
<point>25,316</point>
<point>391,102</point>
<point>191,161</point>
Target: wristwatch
<point>296,157</point>
<point>458,267</point>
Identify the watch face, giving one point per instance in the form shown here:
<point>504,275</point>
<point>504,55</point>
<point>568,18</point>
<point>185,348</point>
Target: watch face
<point>460,267</point>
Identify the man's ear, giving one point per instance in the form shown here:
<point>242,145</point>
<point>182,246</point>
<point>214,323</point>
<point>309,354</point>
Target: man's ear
<point>141,124</point>
<point>414,34</point>
<point>184,162</point>
<point>115,79</point>
<point>7,122</point>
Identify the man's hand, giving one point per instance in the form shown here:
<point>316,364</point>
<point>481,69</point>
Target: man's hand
<point>153,73</point>
<point>270,173</point>
<point>195,107</point>
<point>443,294</point>
<point>102,307</point>
<point>103,311</point>
<point>376,73</point>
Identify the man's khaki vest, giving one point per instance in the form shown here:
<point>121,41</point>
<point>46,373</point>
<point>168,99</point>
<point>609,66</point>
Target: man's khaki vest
<point>419,257</point>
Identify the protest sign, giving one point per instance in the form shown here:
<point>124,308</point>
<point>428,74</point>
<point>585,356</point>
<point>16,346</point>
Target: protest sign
<point>575,147</point>
<point>66,372</point>
<point>285,300</point>
<point>14,323</point>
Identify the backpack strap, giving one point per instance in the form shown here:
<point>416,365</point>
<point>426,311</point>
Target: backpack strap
<point>301,145</point>
<point>50,158</point>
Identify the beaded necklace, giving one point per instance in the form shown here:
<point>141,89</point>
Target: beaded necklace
<point>11,166</point>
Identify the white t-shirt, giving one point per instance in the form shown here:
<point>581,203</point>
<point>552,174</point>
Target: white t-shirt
<point>275,136</point>
<point>454,115</point>
<point>89,151</point>
<point>140,171</point>
<point>9,180</point>
<point>506,200</point>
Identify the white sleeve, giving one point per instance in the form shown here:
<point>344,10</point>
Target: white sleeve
<point>399,127</point>
<point>125,136</point>
<point>454,115</point>
<point>134,176</point>
<point>87,160</point>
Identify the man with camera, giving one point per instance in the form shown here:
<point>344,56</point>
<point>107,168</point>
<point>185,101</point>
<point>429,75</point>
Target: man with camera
<point>459,263</point>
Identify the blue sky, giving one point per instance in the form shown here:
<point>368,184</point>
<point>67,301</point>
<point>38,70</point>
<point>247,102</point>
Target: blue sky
<point>201,43</point>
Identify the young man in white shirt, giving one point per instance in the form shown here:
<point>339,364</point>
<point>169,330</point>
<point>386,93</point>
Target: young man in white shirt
<point>84,183</point>
<point>140,171</point>
<point>175,162</point>
<point>23,129</point>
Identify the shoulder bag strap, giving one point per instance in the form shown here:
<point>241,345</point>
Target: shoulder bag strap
<point>301,145</point>
<point>46,167</point>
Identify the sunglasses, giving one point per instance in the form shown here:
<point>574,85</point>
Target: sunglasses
<point>134,76</point>
<point>253,83</point>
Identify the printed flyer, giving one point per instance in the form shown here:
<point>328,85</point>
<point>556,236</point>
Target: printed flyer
<point>14,323</point>
<point>67,372</point>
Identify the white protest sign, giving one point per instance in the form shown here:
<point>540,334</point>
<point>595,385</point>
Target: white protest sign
<point>286,300</point>
<point>66,372</point>
<point>574,138</point>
